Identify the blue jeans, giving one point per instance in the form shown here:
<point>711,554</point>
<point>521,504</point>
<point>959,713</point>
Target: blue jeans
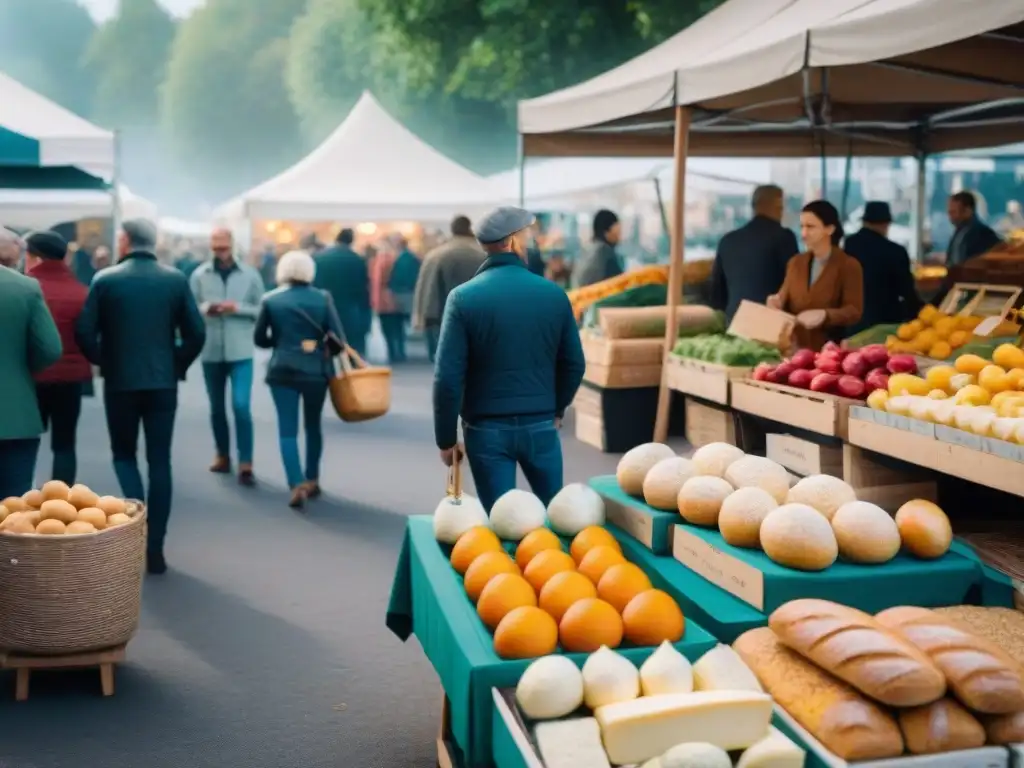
<point>495,447</point>
<point>311,395</point>
<point>217,376</point>
<point>17,466</point>
<point>393,327</point>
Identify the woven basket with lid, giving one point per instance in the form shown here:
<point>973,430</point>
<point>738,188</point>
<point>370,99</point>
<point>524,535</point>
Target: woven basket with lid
<point>73,593</point>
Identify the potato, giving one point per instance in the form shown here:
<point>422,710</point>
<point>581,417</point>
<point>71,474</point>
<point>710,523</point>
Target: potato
<point>34,516</point>
<point>111,505</point>
<point>95,517</point>
<point>34,499</point>
<point>118,519</point>
<point>55,509</point>
<point>50,527</point>
<point>17,522</point>
<point>4,512</point>
<point>82,496</point>
<point>80,526</point>
<point>55,489</point>
<point>15,504</point>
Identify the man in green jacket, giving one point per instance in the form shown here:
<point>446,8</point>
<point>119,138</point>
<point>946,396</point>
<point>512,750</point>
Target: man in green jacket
<point>29,343</point>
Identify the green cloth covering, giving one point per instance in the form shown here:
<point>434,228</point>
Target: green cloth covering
<point>427,599</point>
<point>608,488</point>
<point>904,580</point>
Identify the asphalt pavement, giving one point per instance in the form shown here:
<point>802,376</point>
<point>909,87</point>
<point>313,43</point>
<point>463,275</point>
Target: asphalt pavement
<point>264,645</point>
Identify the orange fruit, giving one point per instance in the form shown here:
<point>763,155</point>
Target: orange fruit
<point>504,593</point>
<point>588,538</point>
<point>589,624</point>
<point>598,560</point>
<point>545,565</point>
<point>652,617</point>
<point>534,543</point>
<point>525,633</point>
<point>621,583</point>
<point>562,590</point>
<point>484,568</point>
<point>471,544</point>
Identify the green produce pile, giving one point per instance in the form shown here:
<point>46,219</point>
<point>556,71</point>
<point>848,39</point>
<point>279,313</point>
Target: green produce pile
<point>722,349</point>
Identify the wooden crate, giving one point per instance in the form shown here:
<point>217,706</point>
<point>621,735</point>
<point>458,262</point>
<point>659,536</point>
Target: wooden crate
<point>804,457</point>
<point>599,350</point>
<point>23,666</point>
<point>707,381</point>
<point>615,420</point>
<point>623,376</point>
<point>800,408</point>
<point>756,322</point>
<point>590,430</point>
<point>706,424</point>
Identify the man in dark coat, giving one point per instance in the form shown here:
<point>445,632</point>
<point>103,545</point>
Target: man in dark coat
<point>600,262</point>
<point>142,327</point>
<point>751,261</point>
<point>509,361</point>
<point>889,292</point>
<point>972,237</point>
<point>343,273</point>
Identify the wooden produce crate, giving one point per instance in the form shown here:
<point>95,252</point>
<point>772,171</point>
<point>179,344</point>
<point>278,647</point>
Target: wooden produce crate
<point>706,423</point>
<point>615,420</point>
<point>756,322</point>
<point>983,299</point>
<point>610,353</point>
<point>708,381</point>
<point>623,376</point>
<point>804,457</point>
<point>816,412</point>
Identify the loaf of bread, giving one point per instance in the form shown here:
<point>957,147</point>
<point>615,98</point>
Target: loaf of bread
<point>854,647</point>
<point>1004,729</point>
<point>942,726</point>
<point>980,673</point>
<point>846,722</point>
<point>1002,626</point>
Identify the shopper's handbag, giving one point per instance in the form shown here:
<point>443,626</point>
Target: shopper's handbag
<point>359,391</point>
<point>332,345</point>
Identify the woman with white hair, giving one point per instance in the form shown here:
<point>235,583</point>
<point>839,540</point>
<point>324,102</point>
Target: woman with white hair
<point>300,324</point>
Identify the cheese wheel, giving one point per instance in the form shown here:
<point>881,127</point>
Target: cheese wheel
<point>662,484</point>
<point>741,515</point>
<point>700,499</point>
<point>696,754</point>
<point>865,533</point>
<point>636,463</point>
<point>924,529</point>
<point>799,537</point>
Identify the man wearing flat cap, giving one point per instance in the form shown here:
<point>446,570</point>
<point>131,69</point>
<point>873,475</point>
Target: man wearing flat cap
<point>890,295</point>
<point>509,361</point>
<point>60,387</point>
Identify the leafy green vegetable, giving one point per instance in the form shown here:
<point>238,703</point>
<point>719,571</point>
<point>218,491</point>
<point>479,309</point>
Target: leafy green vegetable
<point>722,349</point>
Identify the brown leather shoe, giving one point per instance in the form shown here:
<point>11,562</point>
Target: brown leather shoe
<point>246,476</point>
<point>221,465</point>
<point>313,489</point>
<point>299,496</point>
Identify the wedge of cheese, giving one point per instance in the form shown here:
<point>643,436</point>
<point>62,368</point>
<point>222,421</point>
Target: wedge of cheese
<point>773,751</point>
<point>571,744</point>
<point>722,669</point>
<point>635,731</point>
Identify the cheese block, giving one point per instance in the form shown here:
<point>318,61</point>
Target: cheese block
<point>571,744</point>
<point>773,751</point>
<point>696,755</point>
<point>638,730</point>
<point>722,669</point>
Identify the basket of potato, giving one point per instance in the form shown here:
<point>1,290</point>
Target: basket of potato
<point>71,565</point>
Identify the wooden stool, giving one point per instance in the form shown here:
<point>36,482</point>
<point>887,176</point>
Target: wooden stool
<point>23,666</point>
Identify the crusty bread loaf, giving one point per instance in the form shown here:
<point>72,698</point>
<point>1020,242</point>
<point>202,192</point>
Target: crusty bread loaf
<point>854,647</point>
<point>942,726</point>
<point>846,722</point>
<point>981,674</point>
<point>1004,729</point>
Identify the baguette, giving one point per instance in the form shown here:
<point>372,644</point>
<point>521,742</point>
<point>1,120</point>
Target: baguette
<point>942,726</point>
<point>845,722</point>
<point>978,671</point>
<point>854,647</point>
<point>1005,729</point>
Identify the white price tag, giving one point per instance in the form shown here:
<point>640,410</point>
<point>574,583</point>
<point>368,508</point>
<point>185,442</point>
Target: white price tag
<point>986,326</point>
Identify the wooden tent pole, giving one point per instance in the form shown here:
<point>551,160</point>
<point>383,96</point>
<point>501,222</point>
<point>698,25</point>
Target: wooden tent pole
<point>675,269</point>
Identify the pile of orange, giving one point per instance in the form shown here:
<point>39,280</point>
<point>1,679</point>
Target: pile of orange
<point>544,597</point>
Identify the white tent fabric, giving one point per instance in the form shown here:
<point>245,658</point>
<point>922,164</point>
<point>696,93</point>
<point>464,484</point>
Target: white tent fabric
<point>372,168</point>
<point>45,208</point>
<point>63,138</point>
<point>170,225</point>
<point>746,44</point>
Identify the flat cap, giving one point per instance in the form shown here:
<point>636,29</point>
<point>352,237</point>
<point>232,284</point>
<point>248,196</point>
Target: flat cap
<point>46,245</point>
<point>502,223</point>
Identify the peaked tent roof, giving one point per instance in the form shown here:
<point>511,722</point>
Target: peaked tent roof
<point>36,132</point>
<point>371,168</point>
<point>784,77</point>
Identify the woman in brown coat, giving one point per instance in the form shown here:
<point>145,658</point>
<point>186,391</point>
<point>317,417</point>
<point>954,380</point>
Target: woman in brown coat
<point>824,287</point>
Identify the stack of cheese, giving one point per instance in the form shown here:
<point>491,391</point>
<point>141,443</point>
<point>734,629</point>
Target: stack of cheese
<point>749,499</point>
<point>667,714</point>
<point>867,688</point>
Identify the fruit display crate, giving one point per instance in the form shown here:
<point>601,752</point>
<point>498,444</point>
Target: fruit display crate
<point>753,577</point>
<point>708,381</point>
<point>428,600</point>
<point>983,460</point>
<point>647,525</point>
<point>599,350</point>
<point>817,412</point>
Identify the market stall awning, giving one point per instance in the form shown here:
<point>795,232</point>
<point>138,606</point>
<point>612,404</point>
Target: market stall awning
<point>35,132</point>
<point>802,77</point>
<point>45,208</point>
<point>372,168</point>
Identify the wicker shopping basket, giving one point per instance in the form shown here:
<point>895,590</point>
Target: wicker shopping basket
<point>360,391</point>
<point>73,593</point>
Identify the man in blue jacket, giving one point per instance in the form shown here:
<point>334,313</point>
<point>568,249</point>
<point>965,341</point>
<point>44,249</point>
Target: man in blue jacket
<point>343,273</point>
<point>510,361</point>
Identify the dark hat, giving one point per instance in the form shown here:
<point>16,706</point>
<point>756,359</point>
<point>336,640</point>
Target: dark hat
<point>46,245</point>
<point>502,223</point>
<point>877,212</point>
<point>603,221</point>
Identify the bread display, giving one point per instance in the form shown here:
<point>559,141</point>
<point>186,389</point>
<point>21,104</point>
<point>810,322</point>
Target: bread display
<point>981,675</point>
<point>1004,729</point>
<point>847,723</point>
<point>854,647</point>
<point>1002,626</point>
<point>942,726</point>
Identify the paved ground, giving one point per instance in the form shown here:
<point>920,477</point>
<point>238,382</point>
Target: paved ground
<point>265,645</point>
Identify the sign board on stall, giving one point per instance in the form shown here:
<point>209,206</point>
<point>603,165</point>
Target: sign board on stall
<point>630,519</point>
<point>721,569</point>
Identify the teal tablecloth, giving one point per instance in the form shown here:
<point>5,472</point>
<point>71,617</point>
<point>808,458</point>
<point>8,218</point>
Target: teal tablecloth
<point>428,600</point>
<point>660,523</point>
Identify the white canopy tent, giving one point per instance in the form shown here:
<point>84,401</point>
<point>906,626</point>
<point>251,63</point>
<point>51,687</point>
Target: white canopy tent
<point>372,168</point>
<point>45,208</point>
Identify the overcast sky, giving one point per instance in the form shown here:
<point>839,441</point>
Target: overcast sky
<point>101,9</point>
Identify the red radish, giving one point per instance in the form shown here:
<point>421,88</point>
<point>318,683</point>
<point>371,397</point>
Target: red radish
<point>877,379</point>
<point>783,369</point>
<point>875,355</point>
<point>803,358</point>
<point>828,363</point>
<point>762,370</point>
<point>801,378</point>
<point>773,376</point>
<point>902,364</point>
<point>824,382</point>
<point>851,386</point>
<point>854,364</point>
<point>831,348</point>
